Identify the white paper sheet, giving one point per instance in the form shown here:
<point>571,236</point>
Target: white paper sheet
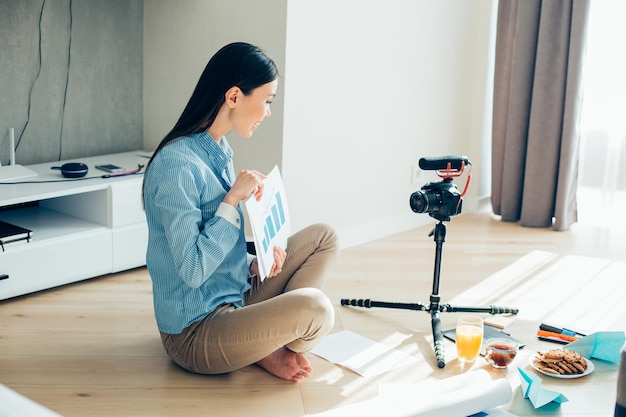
<point>458,396</point>
<point>362,355</point>
<point>478,393</point>
<point>16,405</point>
<point>494,412</point>
<point>269,220</point>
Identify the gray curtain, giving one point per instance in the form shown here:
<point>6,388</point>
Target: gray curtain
<point>537,94</point>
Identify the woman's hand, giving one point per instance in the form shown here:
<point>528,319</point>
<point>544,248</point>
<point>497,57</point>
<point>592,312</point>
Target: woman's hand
<point>254,267</point>
<point>248,182</point>
<point>279,260</point>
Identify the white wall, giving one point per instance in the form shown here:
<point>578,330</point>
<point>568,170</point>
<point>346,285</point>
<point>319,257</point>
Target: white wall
<point>369,87</point>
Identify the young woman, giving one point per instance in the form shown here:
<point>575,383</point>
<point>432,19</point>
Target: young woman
<point>214,313</point>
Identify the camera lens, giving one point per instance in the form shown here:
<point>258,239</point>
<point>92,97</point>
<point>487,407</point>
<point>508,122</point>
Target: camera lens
<point>424,202</point>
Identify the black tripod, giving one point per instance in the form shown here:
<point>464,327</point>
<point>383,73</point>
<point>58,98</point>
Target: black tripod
<point>434,307</point>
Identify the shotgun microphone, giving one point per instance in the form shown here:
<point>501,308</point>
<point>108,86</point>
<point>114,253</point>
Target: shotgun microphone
<point>441,163</point>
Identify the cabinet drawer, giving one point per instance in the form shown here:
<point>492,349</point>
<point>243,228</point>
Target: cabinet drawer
<point>39,265</point>
<point>129,246</point>
<point>126,205</point>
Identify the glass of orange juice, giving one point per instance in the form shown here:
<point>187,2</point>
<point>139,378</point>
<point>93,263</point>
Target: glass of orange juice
<point>469,337</point>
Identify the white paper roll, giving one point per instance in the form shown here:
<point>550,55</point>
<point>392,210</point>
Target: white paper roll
<point>457,396</point>
<point>472,399</point>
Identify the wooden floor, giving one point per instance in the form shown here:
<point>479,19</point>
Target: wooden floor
<point>92,348</point>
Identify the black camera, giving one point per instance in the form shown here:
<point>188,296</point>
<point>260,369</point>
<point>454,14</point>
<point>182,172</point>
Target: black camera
<point>440,199</point>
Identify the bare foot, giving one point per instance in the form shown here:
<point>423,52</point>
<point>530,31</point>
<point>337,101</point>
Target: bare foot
<point>286,364</point>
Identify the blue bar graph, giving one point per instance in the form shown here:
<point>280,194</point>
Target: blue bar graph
<point>274,220</point>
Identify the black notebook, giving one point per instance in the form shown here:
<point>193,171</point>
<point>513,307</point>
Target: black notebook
<point>489,332</point>
<point>11,233</point>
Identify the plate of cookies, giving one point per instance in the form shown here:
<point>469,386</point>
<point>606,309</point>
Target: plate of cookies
<point>561,363</point>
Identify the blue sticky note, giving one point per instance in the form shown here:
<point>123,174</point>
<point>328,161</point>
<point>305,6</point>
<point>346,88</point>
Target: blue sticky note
<point>605,346</point>
<point>531,389</point>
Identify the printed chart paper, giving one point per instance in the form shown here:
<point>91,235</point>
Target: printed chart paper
<point>269,220</point>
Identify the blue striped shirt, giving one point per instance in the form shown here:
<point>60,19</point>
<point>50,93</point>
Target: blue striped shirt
<point>196,252</point>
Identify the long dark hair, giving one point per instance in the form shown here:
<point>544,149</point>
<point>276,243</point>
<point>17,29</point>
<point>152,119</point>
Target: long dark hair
<point>237,64</point>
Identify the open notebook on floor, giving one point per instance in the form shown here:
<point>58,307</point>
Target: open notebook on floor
<point>488,333</point>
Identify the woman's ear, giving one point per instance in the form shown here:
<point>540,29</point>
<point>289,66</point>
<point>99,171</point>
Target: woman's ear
<point>232,96</point>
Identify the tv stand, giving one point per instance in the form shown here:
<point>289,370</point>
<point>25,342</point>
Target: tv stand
<point>81,228</point>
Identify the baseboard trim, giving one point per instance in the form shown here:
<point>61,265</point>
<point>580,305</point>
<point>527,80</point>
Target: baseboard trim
<point>382,228</point>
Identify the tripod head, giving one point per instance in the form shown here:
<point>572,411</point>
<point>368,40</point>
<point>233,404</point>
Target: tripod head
<point>441,199</point>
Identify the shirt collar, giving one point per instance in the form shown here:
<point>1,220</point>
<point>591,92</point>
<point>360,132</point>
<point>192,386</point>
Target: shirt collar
<point>220,154</point>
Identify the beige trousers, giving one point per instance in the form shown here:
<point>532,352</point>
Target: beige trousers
<point>287,310</point>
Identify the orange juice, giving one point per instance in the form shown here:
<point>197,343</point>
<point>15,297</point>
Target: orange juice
<point>468,342</point>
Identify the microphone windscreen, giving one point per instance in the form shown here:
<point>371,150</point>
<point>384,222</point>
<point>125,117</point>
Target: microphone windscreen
<point>441,162</point>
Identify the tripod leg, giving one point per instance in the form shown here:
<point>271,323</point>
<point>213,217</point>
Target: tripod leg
<point>367,303</point>
<point>440,351</point>
<point>491,309</point>
<point>439,234</point>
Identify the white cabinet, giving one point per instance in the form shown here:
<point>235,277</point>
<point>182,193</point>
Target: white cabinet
<point>81,228</point>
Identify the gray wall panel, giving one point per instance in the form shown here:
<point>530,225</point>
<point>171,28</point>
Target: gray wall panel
<point>87,96</point>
